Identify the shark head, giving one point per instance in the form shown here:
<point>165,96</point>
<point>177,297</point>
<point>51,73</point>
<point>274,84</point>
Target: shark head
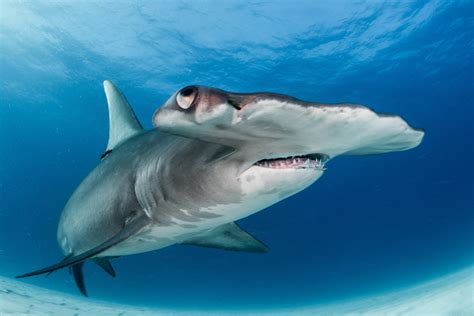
<point>277,125</point>
<point>283,143</point>
<point>281,123</point>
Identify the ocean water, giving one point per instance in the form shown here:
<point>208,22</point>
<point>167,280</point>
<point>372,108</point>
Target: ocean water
<point>370,225</point>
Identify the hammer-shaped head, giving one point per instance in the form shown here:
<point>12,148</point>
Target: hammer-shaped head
<point>276,124</point>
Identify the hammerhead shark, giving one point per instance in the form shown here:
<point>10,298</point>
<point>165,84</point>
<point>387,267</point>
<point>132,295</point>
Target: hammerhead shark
<point>214,157</point>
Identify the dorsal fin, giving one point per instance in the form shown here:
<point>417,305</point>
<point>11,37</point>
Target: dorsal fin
<point>123,123</point>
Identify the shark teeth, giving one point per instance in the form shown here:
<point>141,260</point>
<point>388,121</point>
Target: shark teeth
<point>313,161</point>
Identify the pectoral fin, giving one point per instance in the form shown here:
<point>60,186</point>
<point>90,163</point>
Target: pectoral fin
<point>229,237</point>
<point>132,227</point>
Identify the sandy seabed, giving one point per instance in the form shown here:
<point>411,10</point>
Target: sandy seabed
<point>450,295</point>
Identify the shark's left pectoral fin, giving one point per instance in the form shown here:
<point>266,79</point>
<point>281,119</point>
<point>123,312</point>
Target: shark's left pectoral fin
<point>132,227</point>
<point>229,237</point>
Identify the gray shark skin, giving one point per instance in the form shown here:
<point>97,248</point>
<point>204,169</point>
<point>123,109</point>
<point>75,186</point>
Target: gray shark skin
<point>213,158</point>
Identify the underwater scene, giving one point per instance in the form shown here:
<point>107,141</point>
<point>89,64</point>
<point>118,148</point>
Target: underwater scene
<point>236,157</point>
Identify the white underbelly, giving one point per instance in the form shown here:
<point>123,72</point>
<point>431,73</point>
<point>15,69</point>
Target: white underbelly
<point>157,236</point>
<point>258,192</point>
<point>151,238</point>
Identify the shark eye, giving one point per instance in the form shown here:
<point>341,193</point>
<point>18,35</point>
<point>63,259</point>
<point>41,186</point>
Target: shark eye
<point>186,97</point>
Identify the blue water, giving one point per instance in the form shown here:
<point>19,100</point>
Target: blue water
<point>370,225</point>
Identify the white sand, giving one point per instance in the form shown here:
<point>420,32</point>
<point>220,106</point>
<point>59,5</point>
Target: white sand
<point>450,295</point>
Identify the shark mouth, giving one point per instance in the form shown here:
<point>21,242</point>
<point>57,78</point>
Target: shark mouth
<point>311,161</point>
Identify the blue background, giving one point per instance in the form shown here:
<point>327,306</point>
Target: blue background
<point>369,225</point>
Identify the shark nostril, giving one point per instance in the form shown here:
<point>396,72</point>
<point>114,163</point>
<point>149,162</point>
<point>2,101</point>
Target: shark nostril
<point>235,100</point>
<point>186,97</point>
<point>235,104</point>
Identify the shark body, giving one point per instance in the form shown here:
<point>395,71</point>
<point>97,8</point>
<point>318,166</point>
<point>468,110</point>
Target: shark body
<point>213,158</point>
